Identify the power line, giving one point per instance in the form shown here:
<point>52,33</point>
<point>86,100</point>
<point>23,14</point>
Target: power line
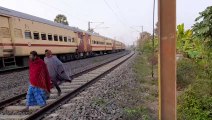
<point>119,11</point>
<point>117,17</point>
<point>58,9</point>
<point>114,13</point>
<point>66,4</point>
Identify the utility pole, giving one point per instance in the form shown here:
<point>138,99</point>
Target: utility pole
<point>142,30</point>
<point>153,37</point>
<point>89,25</point>
<point>167,60</point>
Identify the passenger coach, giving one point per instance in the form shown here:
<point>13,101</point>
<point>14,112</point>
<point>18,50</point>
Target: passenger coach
<point>21,33</point>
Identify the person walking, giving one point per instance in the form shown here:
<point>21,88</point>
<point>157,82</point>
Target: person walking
<point>39,79</point>
<point>56,70</point>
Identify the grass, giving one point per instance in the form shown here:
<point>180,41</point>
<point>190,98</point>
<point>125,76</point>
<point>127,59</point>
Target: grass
<point>99,102</point>
<point>142,68</point>
<point>147,89</point>
<point>140,112</point>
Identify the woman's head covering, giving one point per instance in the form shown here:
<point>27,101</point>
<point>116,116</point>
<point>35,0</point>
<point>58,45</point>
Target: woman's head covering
<point>48,53</point>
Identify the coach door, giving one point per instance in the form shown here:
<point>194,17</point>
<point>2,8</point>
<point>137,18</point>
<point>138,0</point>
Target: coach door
<point>88,43</point>
<point>84,42</point>
<point>5,36</point>
<point>7,51</point>
<point>81,43</point>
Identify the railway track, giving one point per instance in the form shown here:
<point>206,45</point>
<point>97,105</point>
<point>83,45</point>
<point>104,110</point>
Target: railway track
<point>12,109</point>
<point>21,96</point>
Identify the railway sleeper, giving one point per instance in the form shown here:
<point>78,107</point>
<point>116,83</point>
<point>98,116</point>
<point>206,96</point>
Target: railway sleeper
<point>50,100</point>
<point>19,108</point>
<point>13,117</point>
<point>54,91</point>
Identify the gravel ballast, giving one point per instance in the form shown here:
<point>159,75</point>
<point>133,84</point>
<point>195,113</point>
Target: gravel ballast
<point>104,100</point>
<point>113,97</point>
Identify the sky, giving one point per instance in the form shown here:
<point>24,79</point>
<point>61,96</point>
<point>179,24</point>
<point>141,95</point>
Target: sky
<point>122,18</point>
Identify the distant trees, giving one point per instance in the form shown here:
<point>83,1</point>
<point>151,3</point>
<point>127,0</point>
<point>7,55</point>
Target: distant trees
<point>157,29</point>
<point>61,19</point>
<point>145,36</point>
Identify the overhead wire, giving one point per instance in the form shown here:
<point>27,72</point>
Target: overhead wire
<point>58,9</point>
<point>117,17</point>
<point>118,9</point>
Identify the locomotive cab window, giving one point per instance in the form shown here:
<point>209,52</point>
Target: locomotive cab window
<point>65,39</point>
<point>61,38</point>
<point>36,35</point>
<point>55,38</point>
<point>43,36</point>
<point>28,35</point>
<point>49,37</point>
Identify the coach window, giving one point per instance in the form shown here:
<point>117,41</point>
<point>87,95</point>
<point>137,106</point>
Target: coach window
<point>73,40</point>
<point>36,36</point>
<point>69,39</point>
<point>43,36</point>
<point>65,39</point>
<point>61,38</point>
<point>49,37</point>
<point>28,35</point>
<point>55,38</point>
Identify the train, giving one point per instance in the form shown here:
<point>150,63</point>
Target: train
<point>21,33</point>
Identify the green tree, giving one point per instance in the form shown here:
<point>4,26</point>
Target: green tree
<point>203,28</point>
<point>185,42</point>
<point>203,32</point>
<point>61,19</point>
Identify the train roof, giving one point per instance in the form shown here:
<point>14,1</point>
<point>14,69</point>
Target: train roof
<point>9,12</point>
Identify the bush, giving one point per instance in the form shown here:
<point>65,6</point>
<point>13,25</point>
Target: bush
<point>142,68</point>
<point>196,102</point>
<point>186,72</point>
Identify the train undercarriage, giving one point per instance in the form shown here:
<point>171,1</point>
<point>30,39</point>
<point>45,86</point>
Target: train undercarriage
<point>22,61</point>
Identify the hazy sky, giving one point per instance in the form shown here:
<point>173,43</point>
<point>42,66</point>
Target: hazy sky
<point>121,17</point>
